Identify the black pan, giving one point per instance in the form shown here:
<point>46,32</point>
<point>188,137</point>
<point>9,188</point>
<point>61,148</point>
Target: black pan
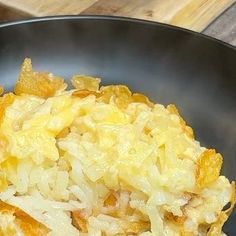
<point>169,64</point>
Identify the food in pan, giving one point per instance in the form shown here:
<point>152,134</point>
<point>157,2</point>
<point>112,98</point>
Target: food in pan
<point>101,160</point>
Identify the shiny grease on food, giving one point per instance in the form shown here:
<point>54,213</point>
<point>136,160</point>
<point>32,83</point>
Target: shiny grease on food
<point>103,161</point>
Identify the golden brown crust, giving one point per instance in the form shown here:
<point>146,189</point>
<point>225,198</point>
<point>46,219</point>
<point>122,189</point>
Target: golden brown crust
<point>5,101</point>
<point>81,82</point>
<point>40,84</point>
<point>26,224</point>
<point>1,90</point>
<point>179,220</point>
<point>120,93</point>
<point>29,226</point>
<point>111,200</point>
<point>208,167</point>
<point>79,221</point>
<point>139,97</point>
<point>216,228</point>
<point>85,92</point>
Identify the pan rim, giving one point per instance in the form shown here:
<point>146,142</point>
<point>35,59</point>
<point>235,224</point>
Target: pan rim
<point>116,18</point>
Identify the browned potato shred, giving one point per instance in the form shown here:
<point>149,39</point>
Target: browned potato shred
<point>110,200</point>
<point>208,167</point>
<point>40,84</point>
<point>81,82</point>
<point>175,219</point>
<point>1,90</point>
<point>27,224</point>
<point>85,92</point>
<point>138,97</point>
<point>5,101</point>
<point>122,96</point>
<point>79,221</point>
<point>119,94</point>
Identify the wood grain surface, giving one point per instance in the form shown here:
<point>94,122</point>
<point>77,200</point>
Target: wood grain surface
<point>224,27</point>
<point>191,14</point>
<point>7,13</point>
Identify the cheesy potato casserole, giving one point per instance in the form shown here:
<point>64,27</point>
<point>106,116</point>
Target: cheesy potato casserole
<point>103,161</point>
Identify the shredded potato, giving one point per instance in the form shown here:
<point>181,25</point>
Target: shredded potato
<point>27,225</point>
<point>103,161</point>
<point>187,129</point>
<point>216,227</point>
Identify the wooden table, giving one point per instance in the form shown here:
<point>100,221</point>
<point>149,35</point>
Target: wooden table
<point>213,17</point>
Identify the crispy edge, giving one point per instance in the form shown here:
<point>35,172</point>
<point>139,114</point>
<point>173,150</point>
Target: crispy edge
<point>40,84</point>
<point>208,167</point>
<point>85,92</point>
<point>120,94</point>
<point>187,129</point>
<point>1,90</point>
<point>5,101</point>
<point>216,228</point>
<point>141,98</point>
<point>82,82</point>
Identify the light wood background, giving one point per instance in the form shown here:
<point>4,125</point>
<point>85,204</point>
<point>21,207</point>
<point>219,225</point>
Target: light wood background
<point>191,14</point>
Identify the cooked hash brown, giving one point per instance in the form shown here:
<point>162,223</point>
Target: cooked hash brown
<point>103,161</point>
